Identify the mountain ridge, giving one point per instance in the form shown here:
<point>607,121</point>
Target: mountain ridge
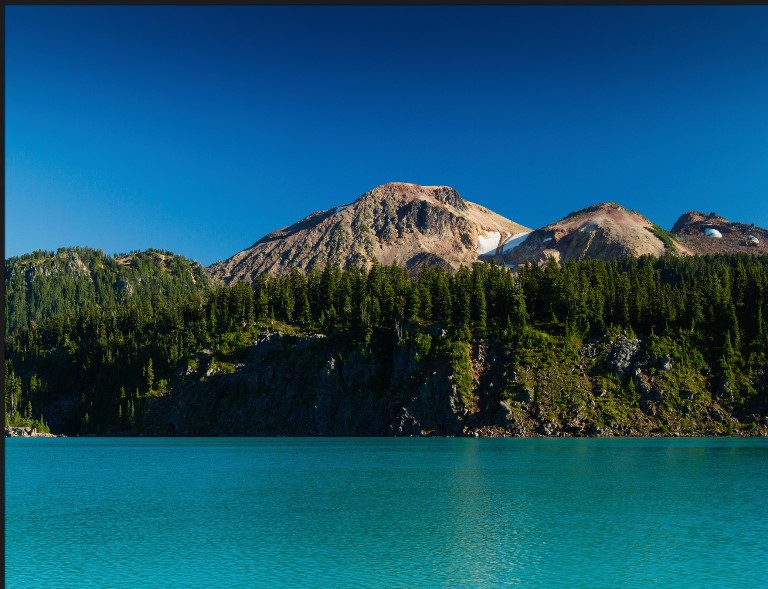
<point>421,226</point>
<point>418,226</point>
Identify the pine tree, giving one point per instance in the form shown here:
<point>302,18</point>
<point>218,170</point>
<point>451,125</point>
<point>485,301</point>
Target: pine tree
<point>150,376</point>
<point>479,312</point>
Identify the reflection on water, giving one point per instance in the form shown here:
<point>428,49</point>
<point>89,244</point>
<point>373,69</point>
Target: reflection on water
<point>386,513</point>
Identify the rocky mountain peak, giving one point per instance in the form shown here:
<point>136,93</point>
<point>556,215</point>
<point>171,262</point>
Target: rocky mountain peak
<point>688,220</point>
<point>448,196</point>
<point>712,234</point>
<point>601,231</point>
<point>401,222</point>
<point>601,207</point>
<point>403,192</point>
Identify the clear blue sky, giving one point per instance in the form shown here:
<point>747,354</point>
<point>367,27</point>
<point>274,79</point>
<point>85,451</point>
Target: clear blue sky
<point>201,129</point>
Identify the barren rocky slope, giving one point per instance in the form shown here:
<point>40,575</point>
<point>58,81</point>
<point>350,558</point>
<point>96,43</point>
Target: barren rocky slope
<point>712,234</point>
<point>602,231</point>
<point>419,226</point>
<point>409,224</point>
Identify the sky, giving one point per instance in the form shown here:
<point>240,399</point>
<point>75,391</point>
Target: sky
<point>199,129</point>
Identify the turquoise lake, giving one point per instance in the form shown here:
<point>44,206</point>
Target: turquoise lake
<point>362,512</point>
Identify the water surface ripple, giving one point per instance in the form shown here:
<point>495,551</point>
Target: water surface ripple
<point>362,512</point>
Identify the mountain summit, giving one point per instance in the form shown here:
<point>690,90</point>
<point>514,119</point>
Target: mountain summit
<point>602,231</point>
<point>410,224</point>
<point>712,234</point>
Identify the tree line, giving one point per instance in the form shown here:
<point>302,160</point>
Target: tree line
<point>121,354</point>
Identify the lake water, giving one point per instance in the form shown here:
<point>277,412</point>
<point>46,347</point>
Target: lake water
<point>360,512</point>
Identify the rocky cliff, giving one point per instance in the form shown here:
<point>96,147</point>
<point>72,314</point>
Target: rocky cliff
<point>313,385</point>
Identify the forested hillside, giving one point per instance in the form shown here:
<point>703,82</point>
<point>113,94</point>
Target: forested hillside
<point>45,283</point>
<point>635,346</point>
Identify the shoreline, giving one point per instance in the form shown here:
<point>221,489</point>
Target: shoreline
<point>28,432</point>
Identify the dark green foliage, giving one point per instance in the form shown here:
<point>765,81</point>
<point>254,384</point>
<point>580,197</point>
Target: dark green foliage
<point>81,331</point>
<point>665,236</point>
<point>461,367</point>
<point>43,283</point>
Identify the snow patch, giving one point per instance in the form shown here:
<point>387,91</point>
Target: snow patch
<point>514,241</point>
<point>488,243</point>
<point>546,239</point>
<point>713,233</point>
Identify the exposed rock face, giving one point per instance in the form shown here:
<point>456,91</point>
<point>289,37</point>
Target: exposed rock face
<point>602,231</point>
<point>397,222</point>
<point>305,386</point>
<point>310,386</point>
<point>691,229</point>
<point>622,355</point>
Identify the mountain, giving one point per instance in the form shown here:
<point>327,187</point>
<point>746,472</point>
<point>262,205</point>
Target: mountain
<point>418,226</point>
<point>409,224</point>
<point>602,231</point>
<point>44,283</point>
<point>712,234</point>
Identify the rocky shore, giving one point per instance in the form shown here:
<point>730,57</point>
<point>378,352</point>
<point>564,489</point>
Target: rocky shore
<point>28,432</point>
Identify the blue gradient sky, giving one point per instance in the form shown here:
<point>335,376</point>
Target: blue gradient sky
<point>200,129</point>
